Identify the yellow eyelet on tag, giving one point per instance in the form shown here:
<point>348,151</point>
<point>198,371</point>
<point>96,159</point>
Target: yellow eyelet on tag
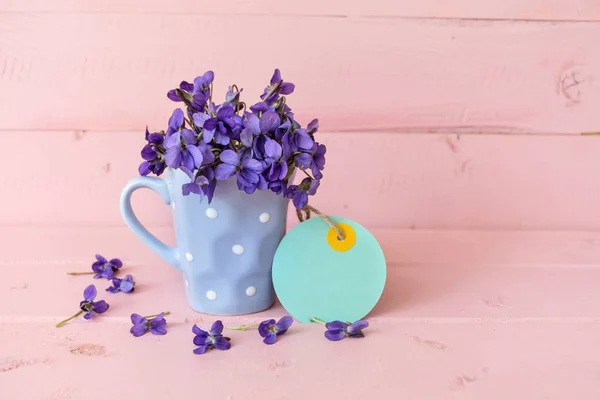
<point>341,245</point>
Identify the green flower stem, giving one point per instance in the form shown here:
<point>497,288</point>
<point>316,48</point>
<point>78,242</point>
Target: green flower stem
<point>273,89</point>
<point>318,321</point>
<point>81,273</point>
<point>281,106</point>
<point>156,315</point>
<point>61,323</point>
<point>242,327</point>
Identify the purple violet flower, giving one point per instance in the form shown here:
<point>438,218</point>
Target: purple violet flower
<point>196,94</point>
<point>278,187</point>
<point>206,341</point>
<point>156,324</point>
<point>277,86</point>
<point>198,186</point>
<point>175,122</point>
<point>88,305</point>
<point>261,107</point>
<point>182,150</point>
<point>105,269</point>
<point>219,126</point>
<point>312,127</point>
<point>278,168</point>
<point>302,140</point>
<point>184,86</point>
<point>202,183</point>
<point>125,285</point>
<point>338,330</point>
<point>270,329</point>
<point>248,170</point>
<point>233,95</point>
<point>261,146</point>
<point>299,193</point>
<point>153,154</point>
<point>318,161</point>
<point>202,83</point>
<point>256,130</point>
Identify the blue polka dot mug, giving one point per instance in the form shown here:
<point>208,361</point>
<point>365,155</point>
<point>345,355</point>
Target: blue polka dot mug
<point>225,249</point>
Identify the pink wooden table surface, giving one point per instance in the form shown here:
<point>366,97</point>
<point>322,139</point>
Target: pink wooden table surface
<point>507,320</point>
<point>454,132</point>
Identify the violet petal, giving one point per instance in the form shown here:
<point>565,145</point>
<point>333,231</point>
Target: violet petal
<point>158,330</point>
<point>230,157</point>
<point>336,325</point>
<point>138,329</point>
<point>224,171</point>
<point>201,349</point>
<point>216,328</point>
<point>221,343</point>
<point>269,121</point>
<point>272,149</point>
<point>202,339</point>
<point>284,324</point>
<point>263,328</point>
<point>335,334</point>
<point>101,306</point>
<point>357,326</point>
<point>196,155</point>
<point>173,157</point>
<point>137,318</point>
<point>89,294</point>
<point>198,331</point>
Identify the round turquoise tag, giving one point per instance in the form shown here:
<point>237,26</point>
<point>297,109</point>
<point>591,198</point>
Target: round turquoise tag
<point>317,275</point>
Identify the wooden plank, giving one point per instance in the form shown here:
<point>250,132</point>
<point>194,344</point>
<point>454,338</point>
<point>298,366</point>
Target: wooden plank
<point>485,9</point>
<point>410,181</point>
<point>74,248</point>
<point>415,360</point>
<point>101,71</point>
<point>436,292</point>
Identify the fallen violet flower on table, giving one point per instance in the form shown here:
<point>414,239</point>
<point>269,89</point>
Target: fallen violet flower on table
<point>106,269</point>
<point>206,341</point>
<point>268,329</point>
<point>88,305</point>
<point>156,324</point>
<point>125,285</point>
<point>338,330</point>
<point>102,268</point>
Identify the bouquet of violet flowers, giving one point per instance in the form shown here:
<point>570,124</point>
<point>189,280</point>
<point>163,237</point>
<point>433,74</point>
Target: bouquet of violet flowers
<point>261,146</point>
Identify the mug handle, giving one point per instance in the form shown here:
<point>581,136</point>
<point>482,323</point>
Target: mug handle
<point>167,253</point>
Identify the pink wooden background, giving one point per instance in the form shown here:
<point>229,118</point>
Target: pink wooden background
<point>472,172</point>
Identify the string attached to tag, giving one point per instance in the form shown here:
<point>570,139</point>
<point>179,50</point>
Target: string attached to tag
<point>308,209</point>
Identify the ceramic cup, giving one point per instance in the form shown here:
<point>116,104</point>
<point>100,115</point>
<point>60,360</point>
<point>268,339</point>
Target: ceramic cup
<point>224,249</point>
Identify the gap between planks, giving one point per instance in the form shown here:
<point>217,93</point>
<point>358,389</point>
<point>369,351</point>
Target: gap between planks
<point>450,19</point>
<point>466,130</point>
<point>250,320</point>
<point>61,246</point>
<point>507,10</point>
